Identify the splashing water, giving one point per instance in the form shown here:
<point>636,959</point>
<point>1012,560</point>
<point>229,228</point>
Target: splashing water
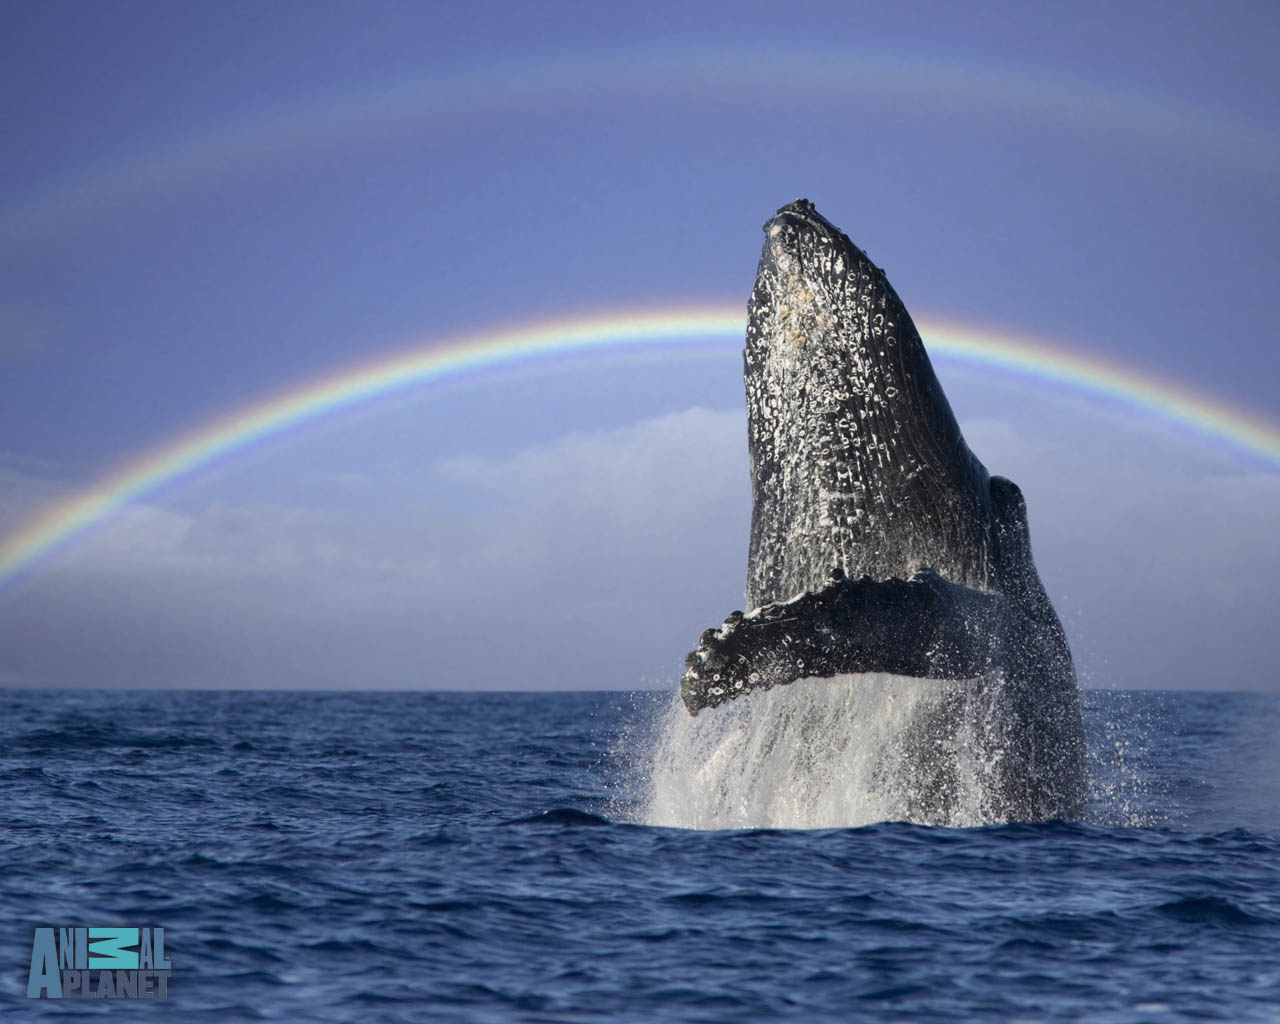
<point>831,753</point>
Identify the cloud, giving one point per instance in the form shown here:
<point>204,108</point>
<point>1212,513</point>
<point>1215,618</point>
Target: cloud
<point>613,507</point>
<point>1159,565</point>
<point>596,560</point>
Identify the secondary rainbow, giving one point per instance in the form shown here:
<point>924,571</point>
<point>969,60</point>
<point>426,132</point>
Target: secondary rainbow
<point>505,87</point>
<point>664,331</point>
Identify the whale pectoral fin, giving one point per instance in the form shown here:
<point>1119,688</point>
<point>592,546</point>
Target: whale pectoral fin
<point>925,627</point>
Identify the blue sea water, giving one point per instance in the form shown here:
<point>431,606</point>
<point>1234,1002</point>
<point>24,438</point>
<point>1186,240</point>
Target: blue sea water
<point>481,857</point>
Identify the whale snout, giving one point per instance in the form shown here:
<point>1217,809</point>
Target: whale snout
<point>808,283</point>
<point>800,219</point>
<point>800,243</point>
<point>799,211</point>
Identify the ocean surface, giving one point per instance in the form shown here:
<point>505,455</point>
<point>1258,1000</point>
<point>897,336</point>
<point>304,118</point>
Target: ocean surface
<point>493,857</point>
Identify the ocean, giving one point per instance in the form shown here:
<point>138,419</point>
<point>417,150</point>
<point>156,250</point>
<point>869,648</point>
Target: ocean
<point>495,857</point>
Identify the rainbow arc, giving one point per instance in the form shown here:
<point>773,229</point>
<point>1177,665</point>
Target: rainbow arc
<point>660,331</point>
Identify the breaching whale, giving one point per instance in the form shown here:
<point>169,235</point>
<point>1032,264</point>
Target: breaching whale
<point>879,542</point>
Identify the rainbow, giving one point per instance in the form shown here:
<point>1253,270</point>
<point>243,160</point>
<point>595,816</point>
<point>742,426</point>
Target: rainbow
<point>668,332</point>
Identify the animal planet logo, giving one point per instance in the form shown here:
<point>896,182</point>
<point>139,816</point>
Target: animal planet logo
<point>99,963</point>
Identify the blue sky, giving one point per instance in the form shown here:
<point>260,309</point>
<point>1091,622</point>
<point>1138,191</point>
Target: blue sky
<point>207,204</point>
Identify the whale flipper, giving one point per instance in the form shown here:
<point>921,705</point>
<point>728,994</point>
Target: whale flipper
<point>925,627</point>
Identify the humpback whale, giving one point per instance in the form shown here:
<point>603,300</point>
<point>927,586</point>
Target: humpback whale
<point>879,542</point>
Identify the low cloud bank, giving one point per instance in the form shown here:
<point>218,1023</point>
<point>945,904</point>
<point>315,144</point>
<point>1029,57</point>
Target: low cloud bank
<point>596,561</point>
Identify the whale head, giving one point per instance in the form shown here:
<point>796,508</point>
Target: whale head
<point>857,461</point>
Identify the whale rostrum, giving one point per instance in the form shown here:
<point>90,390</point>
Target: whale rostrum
<point>879,542</point>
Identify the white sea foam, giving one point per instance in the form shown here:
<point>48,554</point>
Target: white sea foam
<point>827,753</point>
